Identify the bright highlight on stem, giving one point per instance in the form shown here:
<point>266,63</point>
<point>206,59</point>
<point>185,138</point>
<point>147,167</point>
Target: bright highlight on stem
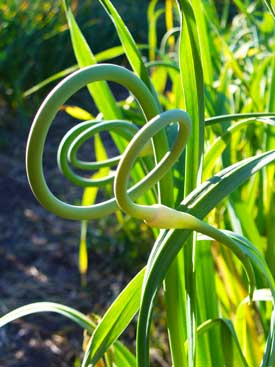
<point>158,215</point>
<point>43,121</point>
<point>152,134</point>
<point>161,216</point>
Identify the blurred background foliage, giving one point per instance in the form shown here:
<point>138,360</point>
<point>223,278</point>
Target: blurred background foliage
<point>35,43</point>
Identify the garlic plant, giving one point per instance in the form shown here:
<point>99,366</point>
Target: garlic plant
<point>177,138</point>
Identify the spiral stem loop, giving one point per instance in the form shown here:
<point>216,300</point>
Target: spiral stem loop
<point>158,215</point>
<point>44,119</point>
<point>76,137</point>
<point>159,122</point>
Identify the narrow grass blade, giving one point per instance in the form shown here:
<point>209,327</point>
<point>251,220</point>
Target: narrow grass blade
<point>169,21</point>
<point>83,252</point>
<point>255,256</point>
<point>203,34</point>
<point>258,259</point>
<point>207,300</point>
<point>159,79</point>
<point>269,353</point>
<point>100,91</point>
<point>237,116</point>
<point>211,11</point>
<point>243,250</point>
<point>176,309</point>
<point>115,320</point>
<point>89,198</point>
<point>66,311</point>
<point>78,113</point>
<point>198,203</point>
<point>121,353</point>
<point>270,6</point>
<point>193,89</point>
<point>247,326</point>
<point>127,41</point>
<point>108,54</point>
<point>191,73</point>
<point>49,80</point>
<point>212,191</point>
<point>123,357</point>
<point>138,65</point>
<point>268,181</point>
<point>229,343</point>
<point>153,15</point>
<point>248,224</point>
<point>216,149</point>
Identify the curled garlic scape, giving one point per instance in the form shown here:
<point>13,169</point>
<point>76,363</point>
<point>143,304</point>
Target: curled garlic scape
<point>157,215</point>
<point>75,137</point>
<point>43,120</point>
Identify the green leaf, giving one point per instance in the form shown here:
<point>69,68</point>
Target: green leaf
<point>193,89</point>
<point>123,357</point>
<point>135,59</point>
<point>78,113</point>
<point>104,55</point>
<point>270,6</point>
<point>243,317</point>
<point>169,21</point>
<point>216,149</point>
<point>269,354</point>
<point>100,91</point>
<point>255,256</point>
<point>153,15</point>
<point>191,73</point>
<point>205,46</point>
<point>49,80</point>
<point>66,311</point>
<point>83,251</point>
<point>230,341</point>
<point>208,302</point>
<point>128,43</point>
<point>122,354</point>
<point>237,116</point>
<point>115,320</point>
<point>248,224</point>
<point>89,198</point>
<point>198,203</point>
<point>109,54</point>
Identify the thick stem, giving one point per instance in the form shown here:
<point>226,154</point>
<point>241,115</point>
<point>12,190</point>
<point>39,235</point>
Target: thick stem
<point>45,116</point>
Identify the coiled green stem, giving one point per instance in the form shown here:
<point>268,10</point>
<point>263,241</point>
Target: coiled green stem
<point>45,117</point>
<point>76,137</point>
<point>160,215</point>
<point>142,137</point>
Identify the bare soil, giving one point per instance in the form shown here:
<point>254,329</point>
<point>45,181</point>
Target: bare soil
<point>38,262</point>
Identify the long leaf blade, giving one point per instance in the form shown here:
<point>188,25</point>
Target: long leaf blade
<point>100,91</point>
<point>66,311</point>
<point>198,203</point>
<point>127,41</point>
<point>115,320</point>
<point>191,73</point>
<point>228,332</point>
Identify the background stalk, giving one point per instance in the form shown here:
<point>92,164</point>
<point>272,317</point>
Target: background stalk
<point>192,82</point>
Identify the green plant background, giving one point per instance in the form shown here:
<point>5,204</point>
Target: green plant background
<point>232,114</point>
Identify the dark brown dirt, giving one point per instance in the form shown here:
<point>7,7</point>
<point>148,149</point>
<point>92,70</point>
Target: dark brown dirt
<point>38,262</point>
